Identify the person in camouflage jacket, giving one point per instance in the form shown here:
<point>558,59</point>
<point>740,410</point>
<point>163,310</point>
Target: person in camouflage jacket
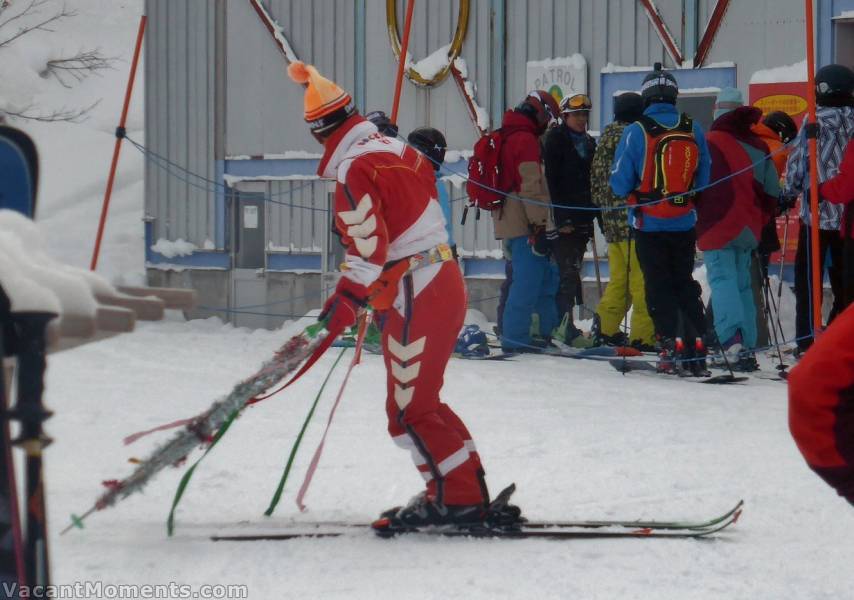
<point>626,285</point>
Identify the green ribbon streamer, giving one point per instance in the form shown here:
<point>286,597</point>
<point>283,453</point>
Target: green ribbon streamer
<point>185,480</point>
<point>278,494</point>
<point>311,331</point>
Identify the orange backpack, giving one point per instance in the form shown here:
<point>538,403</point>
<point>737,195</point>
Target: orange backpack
<point>670,164</point>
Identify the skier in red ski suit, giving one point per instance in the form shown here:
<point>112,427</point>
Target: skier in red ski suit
<point>821,405</point>
<point>398,261</point>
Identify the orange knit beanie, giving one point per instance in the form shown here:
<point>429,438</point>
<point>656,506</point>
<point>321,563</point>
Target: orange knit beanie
<point>326,104</point>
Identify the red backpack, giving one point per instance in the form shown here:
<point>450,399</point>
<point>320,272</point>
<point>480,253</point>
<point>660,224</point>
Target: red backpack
<point>485,173</point>
<point>670,164</point>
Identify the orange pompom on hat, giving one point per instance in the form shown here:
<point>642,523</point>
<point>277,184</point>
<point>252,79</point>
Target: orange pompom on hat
<point>326,104</point>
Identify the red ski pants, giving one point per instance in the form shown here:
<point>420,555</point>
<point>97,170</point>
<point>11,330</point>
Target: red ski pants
<point>417,343</point>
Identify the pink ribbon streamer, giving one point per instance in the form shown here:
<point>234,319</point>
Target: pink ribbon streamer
<point>312,467</point>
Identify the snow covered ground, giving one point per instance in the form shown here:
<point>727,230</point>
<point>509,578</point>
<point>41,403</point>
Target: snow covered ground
<point>579,439</point>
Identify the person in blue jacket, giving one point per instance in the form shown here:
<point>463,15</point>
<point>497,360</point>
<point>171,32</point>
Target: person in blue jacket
<point>664,233</point>
<point>431,142</point>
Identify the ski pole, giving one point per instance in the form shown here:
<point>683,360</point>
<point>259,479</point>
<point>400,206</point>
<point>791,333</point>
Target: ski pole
<point>626,304</point>
<point>768,298</point>
<point>596,263</point>
<point>31,328</point>
<point>783,258</point>
<point>7,468</point>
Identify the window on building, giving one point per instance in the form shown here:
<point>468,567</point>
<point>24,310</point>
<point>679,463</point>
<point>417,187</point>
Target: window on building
<point>699,106</point>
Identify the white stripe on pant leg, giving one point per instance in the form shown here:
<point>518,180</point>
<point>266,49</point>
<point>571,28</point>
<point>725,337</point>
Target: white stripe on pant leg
<point>470,446</point>
<point>403,396</point>
<point>454,461</point>
<point>405,442</point>
<point>405,374</point>
<point>426,475</point>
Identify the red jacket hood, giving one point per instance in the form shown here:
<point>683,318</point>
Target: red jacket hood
<point>515,120</point>
<point>738,123</point>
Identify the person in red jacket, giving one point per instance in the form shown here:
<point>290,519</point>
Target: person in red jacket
<point>730,218</point>
<point>821,405</point>
<point>398,261</point>
<point>525,225</point>
<point>840,190</point>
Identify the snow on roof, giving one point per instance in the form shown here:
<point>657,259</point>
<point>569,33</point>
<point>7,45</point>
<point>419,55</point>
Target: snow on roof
<point>795,72</point>
<point>612,68</point>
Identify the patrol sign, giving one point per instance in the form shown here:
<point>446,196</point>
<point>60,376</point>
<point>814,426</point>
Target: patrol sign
<point>559,76</point>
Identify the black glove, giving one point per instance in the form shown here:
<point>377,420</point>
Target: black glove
<point>542,240</point>
<point>786,202</point>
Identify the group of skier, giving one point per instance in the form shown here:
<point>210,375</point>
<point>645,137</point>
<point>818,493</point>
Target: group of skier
<point>399,261</point>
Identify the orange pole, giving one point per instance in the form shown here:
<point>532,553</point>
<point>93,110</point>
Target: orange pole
<point>812,133</point>
<point>119,136</point>
<point>401,63</point>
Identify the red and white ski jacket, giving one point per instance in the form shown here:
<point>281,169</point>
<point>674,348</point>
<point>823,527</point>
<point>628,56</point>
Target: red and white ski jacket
<point>385,202</point>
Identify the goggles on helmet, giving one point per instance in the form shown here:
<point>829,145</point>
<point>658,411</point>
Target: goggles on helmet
<point>575,103</point>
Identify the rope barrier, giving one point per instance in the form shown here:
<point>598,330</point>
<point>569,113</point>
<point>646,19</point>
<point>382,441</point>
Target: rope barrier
<point>154,157</point>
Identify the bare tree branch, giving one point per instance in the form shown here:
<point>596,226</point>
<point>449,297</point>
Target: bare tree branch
<point>33,9</point>
<point>63,114</point>
<point>79,67</point>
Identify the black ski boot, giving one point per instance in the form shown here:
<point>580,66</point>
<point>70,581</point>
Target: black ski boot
<point>500,514</point>
<point>424,512</point>
<point>671,352</point>
<point>698,364</point>
<point>747,362</point>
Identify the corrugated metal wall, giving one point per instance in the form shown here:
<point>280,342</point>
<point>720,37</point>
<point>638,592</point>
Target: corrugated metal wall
<point>603,31</point>
<point>757,34</point>
<point>179,118</point>
<point>297,215</point>
<point>263,108</point>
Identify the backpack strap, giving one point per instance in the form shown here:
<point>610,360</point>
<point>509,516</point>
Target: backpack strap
<point>650,126</point>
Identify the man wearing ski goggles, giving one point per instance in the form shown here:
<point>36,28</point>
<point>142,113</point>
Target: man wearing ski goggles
<point>568,154</point>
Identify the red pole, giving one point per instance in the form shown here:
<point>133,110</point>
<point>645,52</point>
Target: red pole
<point>401,63</point>
<point>812,132</point>
<point>119,135</point>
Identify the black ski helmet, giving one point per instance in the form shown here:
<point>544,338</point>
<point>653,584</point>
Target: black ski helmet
<point>430,142</point>
<point>383,123</point>
<point>782,124</point>
<point>659,86</point>
<point>834,83</point>
<point>628,107</point>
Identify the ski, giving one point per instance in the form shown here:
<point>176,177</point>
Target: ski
<point>674,525</point>
<point>527,529</point>
<point>648,367</point>
<point>552,532</point>
<point>493,356</point>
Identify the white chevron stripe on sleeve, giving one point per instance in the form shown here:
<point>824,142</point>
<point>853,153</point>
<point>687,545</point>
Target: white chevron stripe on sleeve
<point>408,352</point>
<point>366,247</point>
<point>363,230</point>
<point>354,217</point>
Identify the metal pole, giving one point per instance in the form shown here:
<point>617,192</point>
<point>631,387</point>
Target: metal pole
<point>401,63</point>
<point>812,135</point>
<point>120,132</point>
